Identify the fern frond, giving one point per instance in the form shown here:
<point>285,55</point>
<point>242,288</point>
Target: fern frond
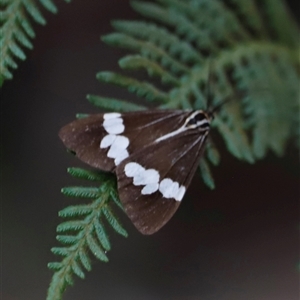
<point>246,52</point>
<point>84,233</point>
<point>16,31</point>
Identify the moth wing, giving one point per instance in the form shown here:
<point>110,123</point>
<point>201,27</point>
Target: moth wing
<point>174,159</point>
<point>91,138</point>
<point>83,136</point>
<point>144,127</point>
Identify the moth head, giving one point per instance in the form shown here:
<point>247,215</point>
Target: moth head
<point>198,119</point>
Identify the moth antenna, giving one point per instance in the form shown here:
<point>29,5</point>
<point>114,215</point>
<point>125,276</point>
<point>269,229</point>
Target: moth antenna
<point>209,83</point>
<point>209,96</point>
<point>217,107</point>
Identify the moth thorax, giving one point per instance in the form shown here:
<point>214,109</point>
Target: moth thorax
<point>198,119</point>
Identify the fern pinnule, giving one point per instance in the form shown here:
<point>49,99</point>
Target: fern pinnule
<point>85,260</point>
<point>80,192</point>
<point>206,174</point>
<point>95,248</point>
<point>74,225</point>
<point>112,104</point>
<point>87,174</point>
<point>140,88</point>
<point>136,62</point>
<point>75,210</point>
<point>101,234</point>
<point>67,239</point>
<point>113,221</point>
<point>212,153</point>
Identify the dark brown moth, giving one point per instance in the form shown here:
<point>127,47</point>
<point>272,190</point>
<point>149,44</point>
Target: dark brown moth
<point>154,154</point>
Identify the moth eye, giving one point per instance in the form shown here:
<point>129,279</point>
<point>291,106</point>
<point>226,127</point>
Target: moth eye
<point>191,122</point>
<point>205,126</point>
<point>197,119</point>
<point>200,117</point>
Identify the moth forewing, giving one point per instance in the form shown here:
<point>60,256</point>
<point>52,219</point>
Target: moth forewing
<point>104,140</point>
<point>150,200</point>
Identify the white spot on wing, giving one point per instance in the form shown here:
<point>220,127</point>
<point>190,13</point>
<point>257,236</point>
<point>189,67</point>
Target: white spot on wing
<point>118,147</point>
<point>122,155</point>
<point>150,189</point>
<point>121,142</point>
<point>151,176</point>
<point>131,169</point>
<point>165,187</point>
<point>145,177</point>
<point>171,189</point>
<point>150,179</point>
<point>139,179</point>
<point>180,193</point>
<point>113,125</point>
<point>116,128</point>
<point>141,176</point>
<point>174,189</point>
<point>112,122</point>
<point>107,140</point>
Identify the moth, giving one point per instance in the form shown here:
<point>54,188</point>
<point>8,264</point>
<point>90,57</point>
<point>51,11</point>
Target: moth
<point>154,154</point>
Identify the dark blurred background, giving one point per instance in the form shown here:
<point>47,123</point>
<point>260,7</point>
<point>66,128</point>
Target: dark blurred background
<point>239,241</point>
